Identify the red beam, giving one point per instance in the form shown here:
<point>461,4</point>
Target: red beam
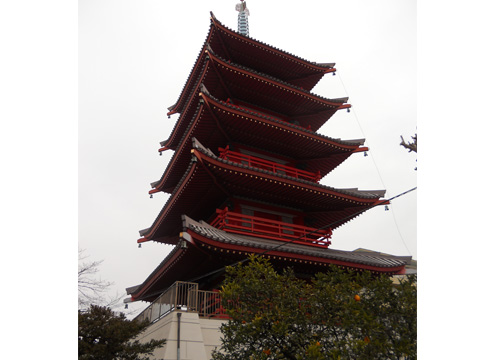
<point>344,106</point>
<point>256,162</point>
<point>361,149</point>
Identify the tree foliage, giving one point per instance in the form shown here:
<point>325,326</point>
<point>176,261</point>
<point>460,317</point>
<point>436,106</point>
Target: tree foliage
<point>338,315</point>
<point>104,334</point>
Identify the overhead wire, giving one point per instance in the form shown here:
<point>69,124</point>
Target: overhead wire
<point>354,112</point>
<point>376,166</point>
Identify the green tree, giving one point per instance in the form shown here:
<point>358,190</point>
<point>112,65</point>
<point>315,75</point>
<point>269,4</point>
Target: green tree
<point>104,334</point>
<point>338,315</point>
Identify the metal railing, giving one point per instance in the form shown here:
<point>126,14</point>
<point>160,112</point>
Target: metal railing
<point>184,296</point>
<point>277,230</point>
<point>272,166</point>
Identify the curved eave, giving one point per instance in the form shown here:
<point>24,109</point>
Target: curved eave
<point>193,75</point>
<point>212,239</point>
<point>274,182</point>
<point>257,55</point>
<point>201,126</point>
<point>317,152</point>
<point>147,291</point>
<point>324,204</point>
<point>188,112</point>
<point>224,80</point>
<point>268,59</point>
<point>175,267</point>
<point>209,249</point>
<point>226,109</point>
<point>291,259</point>
<point>266,92</point>
<point>195,196</point>
<point>210,180</point>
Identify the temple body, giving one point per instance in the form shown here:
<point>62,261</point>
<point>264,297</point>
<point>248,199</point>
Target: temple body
<point>245,174</point>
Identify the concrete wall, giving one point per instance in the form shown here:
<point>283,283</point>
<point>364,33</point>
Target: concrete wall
<point>198,336</point>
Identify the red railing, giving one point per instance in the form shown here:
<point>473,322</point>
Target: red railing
<point>263,164</point>
<point>271,229</point>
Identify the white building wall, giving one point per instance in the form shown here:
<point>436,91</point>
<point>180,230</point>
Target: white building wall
<point>198,336</point>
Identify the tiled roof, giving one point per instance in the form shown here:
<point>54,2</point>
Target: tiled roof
<point>369,194</point>
<point>372,259</point>
<point>325,164</point>
<point>326,65</point>
<point>198,178</point>
<point>193,84</point>
<point>215,25</point>
<point>281,82</point>
<point>352,142</point>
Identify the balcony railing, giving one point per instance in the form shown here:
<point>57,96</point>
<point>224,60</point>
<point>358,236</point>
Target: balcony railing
<point>277,230</point>
<point>184,296</point>
<point>263,164</point>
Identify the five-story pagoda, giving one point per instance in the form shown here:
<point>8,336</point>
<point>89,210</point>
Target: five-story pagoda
<point>244,176</point>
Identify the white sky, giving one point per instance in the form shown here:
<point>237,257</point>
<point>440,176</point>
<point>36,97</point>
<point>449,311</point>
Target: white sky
<point>117,66</point>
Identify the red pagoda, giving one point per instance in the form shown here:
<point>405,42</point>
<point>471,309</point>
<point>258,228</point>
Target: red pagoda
<point>244,176</point>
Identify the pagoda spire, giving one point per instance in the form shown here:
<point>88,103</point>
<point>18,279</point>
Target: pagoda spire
<point>242,18</point>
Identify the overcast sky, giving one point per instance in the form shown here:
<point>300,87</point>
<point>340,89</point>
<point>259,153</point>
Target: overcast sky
<point>134,59</point>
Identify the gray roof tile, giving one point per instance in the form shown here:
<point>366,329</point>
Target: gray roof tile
<point>373,259</point>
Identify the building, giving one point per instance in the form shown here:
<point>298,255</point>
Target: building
<point>244,179</point>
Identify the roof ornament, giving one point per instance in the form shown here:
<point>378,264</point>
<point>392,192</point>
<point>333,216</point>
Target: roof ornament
<point>242,18</point>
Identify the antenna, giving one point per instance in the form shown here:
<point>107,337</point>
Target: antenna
<point>242,18</point>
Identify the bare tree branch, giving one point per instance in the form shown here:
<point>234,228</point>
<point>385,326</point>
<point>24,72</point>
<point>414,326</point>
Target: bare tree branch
<point>93,290</point>
<point>412,146</point>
